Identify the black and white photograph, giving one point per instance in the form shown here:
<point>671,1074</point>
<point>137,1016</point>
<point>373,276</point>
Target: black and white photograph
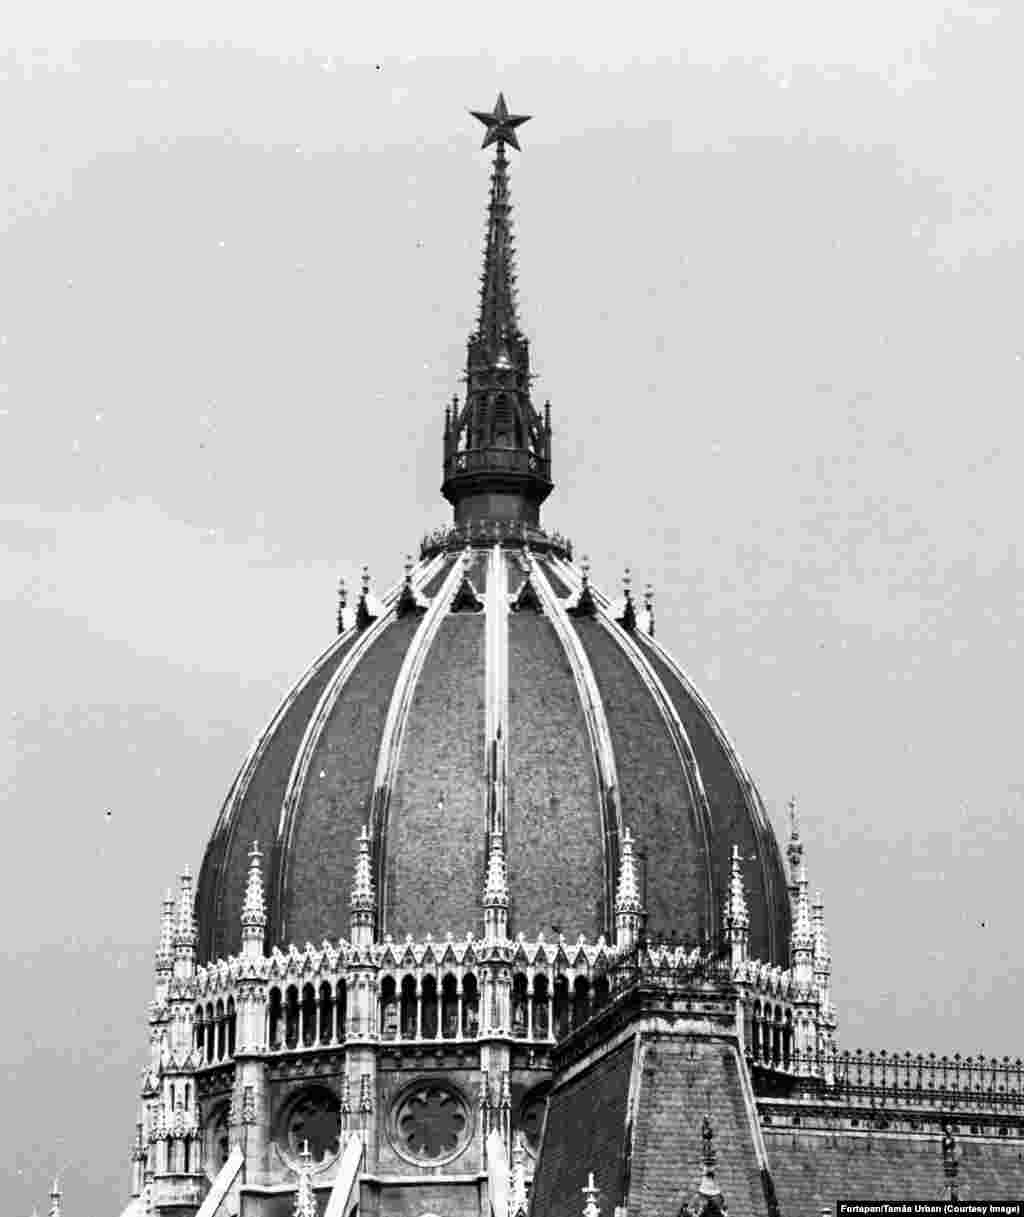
<point>512,602</point>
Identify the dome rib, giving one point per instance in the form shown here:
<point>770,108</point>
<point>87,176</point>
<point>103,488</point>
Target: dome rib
<point>673,725</point>
<point>395,724</point>
<point>764,836</point>
<point>496,697</point>
<point>210,884</point>
<point>317,723</point>
<point>597,728</point>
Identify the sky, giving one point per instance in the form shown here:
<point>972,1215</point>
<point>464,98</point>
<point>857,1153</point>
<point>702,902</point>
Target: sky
<point>770,260</point>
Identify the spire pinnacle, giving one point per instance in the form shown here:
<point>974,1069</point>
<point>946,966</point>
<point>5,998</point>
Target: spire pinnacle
<point>627,897</point>
<point>736,911</point>
<point>165,951</point>
<point>628,618</point>
<point>496,896</point>
<point>363,898</point>
<point>342,604</point>
<point>822,956</point>
<point>649,608</point>
<point>55,1198</point>
<point>305,1198</point>
<point>590,1193</point>
<point>497,448</point>
<point>186,932</point>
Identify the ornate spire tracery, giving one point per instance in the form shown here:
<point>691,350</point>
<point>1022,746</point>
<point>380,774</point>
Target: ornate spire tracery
<point>497,450</point>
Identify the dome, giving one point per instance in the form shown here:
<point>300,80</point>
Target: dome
<point>494,696</point>
<point>494,675</point>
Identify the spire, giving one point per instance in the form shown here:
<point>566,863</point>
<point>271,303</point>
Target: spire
<point>55,1197</point>
<point>629,910</point>
<point>305,1198</point>
<point>254,909</point>
<point>822,955</point>
<point>586,605</point>
<point>496,892</point>
<point>342,604</point>
<point>497,450</point>
<point>366,611</point>
<point>363,900</point>
<point>801,948</point>
<point>794,852</point>
<point>185,936</point>
<point>736,920</point>
<point>709,1201</point>
<point>517,1201</point>
<point>409,601</point>
<point>590,1193</point>
<point>649,608</point>
<point>165,951</point>
<point>628,618</point>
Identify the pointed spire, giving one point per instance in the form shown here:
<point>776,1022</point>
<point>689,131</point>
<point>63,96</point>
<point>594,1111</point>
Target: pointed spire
<point>822,956</point>
<point>736,917</point>
<point>342,604</point>
<point>517,1203</point>
<point>590,1194</point>
<point>55,1198</point>
<point>497,448</point>
<point>628,618</point>
<point>586,605</point>
<point>365,613</point>
<point>496,896</point>
<point>185,934</point>
<point>649,608</point>
<point>794,851</point>
<point>408,600</point>
<point>803,933</point>
<point>165,951</point>
<point>709,1201</point>
<point>629,910</point>
<point>363,898</point>
<point>305,1198</point>
<point>254,909</point>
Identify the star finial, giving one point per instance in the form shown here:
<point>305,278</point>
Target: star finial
<point>500,124</point>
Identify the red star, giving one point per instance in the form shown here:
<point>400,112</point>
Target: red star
<point>500,124</point>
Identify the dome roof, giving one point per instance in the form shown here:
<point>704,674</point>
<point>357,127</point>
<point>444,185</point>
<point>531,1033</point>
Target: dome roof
<point>494,697</point>
<point>494,690</point>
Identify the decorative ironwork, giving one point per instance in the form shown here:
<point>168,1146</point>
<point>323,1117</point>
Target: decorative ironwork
<point>454,538</point>
<point>972,1083</point>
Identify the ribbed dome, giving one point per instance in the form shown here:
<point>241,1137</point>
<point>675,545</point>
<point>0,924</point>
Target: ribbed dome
<point>487,694</point>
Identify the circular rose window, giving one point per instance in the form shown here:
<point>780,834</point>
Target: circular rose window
<point>316,1119</point>
<point>431,1123</point>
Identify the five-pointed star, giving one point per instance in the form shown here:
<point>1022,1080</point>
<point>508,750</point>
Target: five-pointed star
<point>500,124</point>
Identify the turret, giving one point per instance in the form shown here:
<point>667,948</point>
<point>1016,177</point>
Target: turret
<point>629,912</point>
<point>736,919</point>
<point>254,911</point>
<point>363,901</point>
<point>185,935</point>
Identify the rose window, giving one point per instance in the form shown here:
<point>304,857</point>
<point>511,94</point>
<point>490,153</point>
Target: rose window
<point>316,1119</point>
<point>431,1123</point>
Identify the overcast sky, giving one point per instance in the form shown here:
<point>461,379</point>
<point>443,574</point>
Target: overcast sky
<point>770,262</point>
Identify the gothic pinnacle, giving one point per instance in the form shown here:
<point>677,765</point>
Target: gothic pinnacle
<point>590,1193</point>
<point>186,932</point>
<point>803,934</point>
<point>737,915</point>
<point>55,1197</point>
<point>362,898</point>
<point>627,896</point>
<point>254,909</point>
<point>165,952</point>
<point>305,1198</point>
